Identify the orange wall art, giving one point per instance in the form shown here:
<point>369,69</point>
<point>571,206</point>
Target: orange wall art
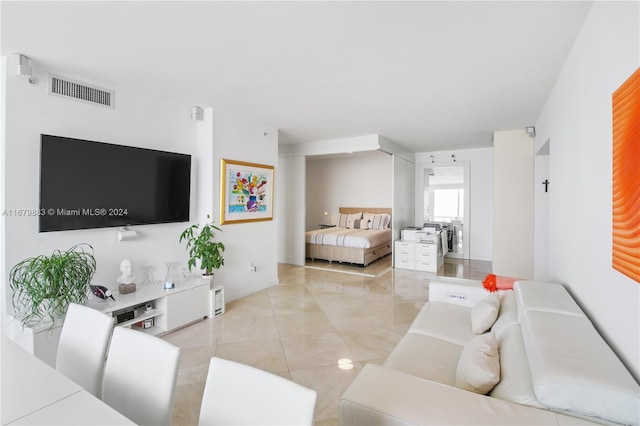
<point>626,178</point>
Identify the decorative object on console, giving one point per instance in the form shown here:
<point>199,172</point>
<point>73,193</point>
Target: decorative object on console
<point>146,272</point>
<point>493,282</point>
<point>246,193</point>
<point>203,247</point>
<point>101,291</point>
<point>42,287</point>
<point>126,278</point>
<point>625,256</point>
<point>172,277</point>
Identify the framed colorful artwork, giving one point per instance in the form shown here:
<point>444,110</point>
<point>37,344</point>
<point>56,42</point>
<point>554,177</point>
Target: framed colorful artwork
<point>626,178</point>
<point>246,192</point>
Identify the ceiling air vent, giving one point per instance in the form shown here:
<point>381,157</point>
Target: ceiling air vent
<point>70,89</point>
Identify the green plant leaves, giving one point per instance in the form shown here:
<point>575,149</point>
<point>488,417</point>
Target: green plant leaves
<point>42,287</point>
<point>202,246</point>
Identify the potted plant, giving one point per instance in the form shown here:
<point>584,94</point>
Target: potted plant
<point>42,287</point>
<point>203,247</point>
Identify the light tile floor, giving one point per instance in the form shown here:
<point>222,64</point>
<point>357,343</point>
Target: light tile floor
<point>300,328</point>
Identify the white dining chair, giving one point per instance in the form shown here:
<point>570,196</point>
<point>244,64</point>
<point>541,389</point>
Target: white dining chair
<point>140,376</point>
<point>83,345</point>
<point>237,394</point>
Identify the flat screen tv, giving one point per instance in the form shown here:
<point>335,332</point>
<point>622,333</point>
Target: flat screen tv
<point>86,184</point>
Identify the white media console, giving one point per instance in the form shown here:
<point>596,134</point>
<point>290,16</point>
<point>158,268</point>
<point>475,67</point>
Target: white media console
<point>149,309</point>
<point>158,311</point>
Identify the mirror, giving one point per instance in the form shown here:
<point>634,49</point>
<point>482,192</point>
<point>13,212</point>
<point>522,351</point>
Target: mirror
<point>445,200</point>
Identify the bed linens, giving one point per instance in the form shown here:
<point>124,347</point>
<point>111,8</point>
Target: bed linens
<point>344,237</point>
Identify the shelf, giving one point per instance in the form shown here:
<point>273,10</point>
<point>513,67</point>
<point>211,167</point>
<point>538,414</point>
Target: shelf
<point>155,330</point>
<point>146,315</point>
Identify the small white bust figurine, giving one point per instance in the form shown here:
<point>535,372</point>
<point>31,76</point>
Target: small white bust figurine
<point>126,267</point>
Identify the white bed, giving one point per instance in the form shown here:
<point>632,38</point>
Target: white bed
<point>347,242</point>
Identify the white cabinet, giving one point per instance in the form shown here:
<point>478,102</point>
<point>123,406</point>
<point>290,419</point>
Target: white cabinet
<point>149,309</point>
<point>424,255</point>
<point>405,254</point>
<point>41,340</point>
<point>158,311</point>
<point>187,306</point>
<point>427,257</point>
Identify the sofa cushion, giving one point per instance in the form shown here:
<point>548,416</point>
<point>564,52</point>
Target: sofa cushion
<point>445,321</point>
<point>544,297</point>
<point>485,313</point>
<point>426,357</point>
<point>515,377</point>
<point>381,396</point>
<point>479,365</point>
<point>573,369</point>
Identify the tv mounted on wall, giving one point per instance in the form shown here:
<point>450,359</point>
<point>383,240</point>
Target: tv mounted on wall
<point>86,184</point>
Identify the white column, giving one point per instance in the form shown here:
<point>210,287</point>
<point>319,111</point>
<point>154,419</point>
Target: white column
<point>513,172</point>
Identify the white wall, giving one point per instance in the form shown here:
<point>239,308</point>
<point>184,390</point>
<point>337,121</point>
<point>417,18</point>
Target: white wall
<point>480,195</point>
<point>577,121</point>
<point>290,205</point>
<point>235,137</point>
<point>3,246</point>
<point>136,121</point>
<point>353,181</point>
<point>404,184</point>
<point>513,165</point>
<point>541,217</point>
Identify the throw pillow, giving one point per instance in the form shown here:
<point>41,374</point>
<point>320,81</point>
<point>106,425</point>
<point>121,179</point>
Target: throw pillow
<point>351,218</point>
<point>493,282</point>
<point>360,224</point>
<point>479,365</point>
<point>485,313</point>
<point>377,221</point>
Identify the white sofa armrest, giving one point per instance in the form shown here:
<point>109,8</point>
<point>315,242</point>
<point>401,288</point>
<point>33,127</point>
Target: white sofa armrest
<point>458,291</point>
<point>381,396</point>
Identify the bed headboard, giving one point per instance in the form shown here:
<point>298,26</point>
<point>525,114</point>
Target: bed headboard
<point>373,210</point>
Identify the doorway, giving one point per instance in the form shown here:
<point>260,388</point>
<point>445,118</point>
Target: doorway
<point>444,198</point>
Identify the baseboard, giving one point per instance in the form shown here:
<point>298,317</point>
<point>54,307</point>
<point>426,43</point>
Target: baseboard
<point>482,258</point>
<point>230,296</point>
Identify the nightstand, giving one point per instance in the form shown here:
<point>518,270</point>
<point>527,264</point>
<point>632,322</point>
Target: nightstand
<point>325,226</point>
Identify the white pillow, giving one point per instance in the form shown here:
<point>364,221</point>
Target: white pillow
<point>378,221</point>
<point>485,313</point>
<point>342,220</point>
<point>479,364</point>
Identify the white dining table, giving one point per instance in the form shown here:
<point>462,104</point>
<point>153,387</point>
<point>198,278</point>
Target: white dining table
<point>33,393</point>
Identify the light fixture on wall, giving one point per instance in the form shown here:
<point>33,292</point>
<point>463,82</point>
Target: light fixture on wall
<point>22,67</point>
<point>531,131</point>
<point>22,64</point>
<point>453,157</point>
<point>126,234</point>
<point>197,113</point>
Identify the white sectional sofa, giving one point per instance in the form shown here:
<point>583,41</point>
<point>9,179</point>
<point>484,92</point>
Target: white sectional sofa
<point>552,365</point>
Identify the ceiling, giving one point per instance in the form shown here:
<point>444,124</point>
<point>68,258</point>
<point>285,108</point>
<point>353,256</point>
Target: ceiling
<point>427,75</point>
